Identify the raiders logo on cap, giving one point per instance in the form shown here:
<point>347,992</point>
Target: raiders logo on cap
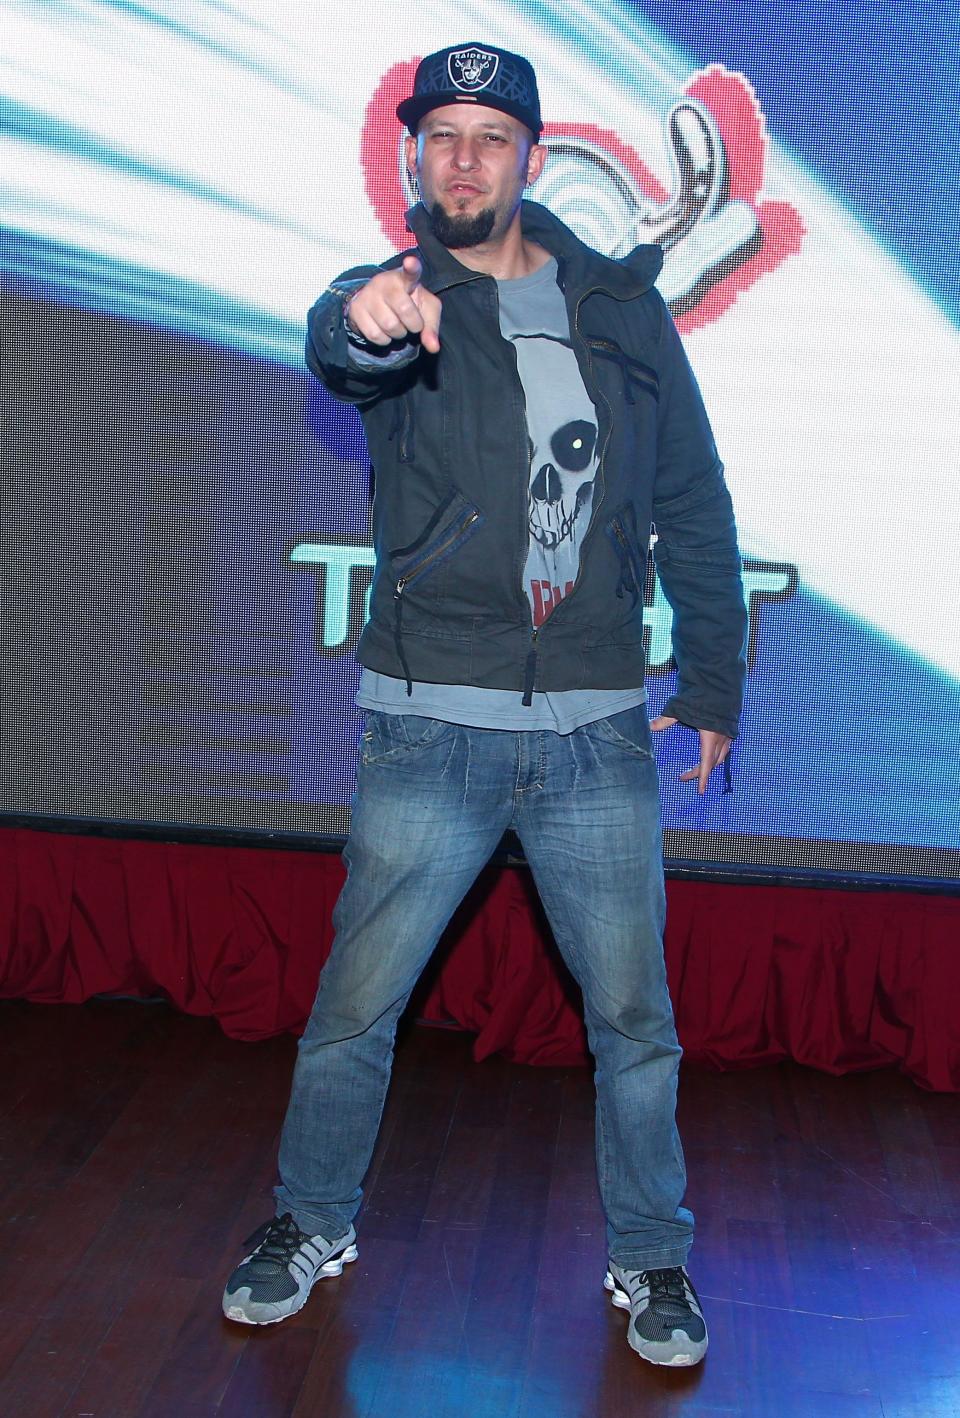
<point>482,74</point>
<point>472,69</point>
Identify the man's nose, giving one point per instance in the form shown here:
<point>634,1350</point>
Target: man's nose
<point>465,154</point>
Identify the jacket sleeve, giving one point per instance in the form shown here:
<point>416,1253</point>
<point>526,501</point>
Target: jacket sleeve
<point>696,553</point>
<point>356,376</point>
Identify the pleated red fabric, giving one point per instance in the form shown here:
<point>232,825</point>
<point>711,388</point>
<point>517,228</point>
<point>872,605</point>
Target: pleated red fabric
<point>837,980</point>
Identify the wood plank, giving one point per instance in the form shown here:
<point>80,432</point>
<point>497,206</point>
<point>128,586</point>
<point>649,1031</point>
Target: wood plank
<point>270,1374</point>
<point>140,1153</point>
<point>125,1364</point>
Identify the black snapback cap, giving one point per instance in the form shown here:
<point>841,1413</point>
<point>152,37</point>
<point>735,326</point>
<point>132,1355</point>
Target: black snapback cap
<point>474,73</point>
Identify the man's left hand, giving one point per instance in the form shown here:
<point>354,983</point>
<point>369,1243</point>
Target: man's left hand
<point>714,748</point>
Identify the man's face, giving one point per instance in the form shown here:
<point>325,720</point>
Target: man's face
<point>472,165</point>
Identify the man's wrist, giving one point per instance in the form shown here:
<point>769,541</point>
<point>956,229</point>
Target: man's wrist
<point>353,334</point>
<point>347,299</point>
<point>351,328</point>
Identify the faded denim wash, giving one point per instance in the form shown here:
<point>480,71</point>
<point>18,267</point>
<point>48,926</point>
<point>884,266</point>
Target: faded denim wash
<point>433,800</point>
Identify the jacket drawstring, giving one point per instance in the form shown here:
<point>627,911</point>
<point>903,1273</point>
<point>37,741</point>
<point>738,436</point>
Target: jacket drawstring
<point>529,675</point>
<point>398,636</point>
<point>402,427</point>
<point>628,578</point>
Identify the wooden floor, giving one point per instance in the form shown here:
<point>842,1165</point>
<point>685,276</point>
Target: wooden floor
<point>136,1154</point>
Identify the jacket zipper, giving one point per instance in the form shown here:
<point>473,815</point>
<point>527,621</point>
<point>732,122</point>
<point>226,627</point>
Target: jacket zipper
<point>603,451</point>
<point>530,664</point>
<point>530,669</point>
<point>437,551</point>
<point>531,661</point>
<point>595,506</point>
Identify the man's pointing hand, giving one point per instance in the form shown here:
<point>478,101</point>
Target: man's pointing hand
<point>393,305</point>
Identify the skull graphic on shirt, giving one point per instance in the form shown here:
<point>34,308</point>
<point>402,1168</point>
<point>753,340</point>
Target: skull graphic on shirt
<point>562,469</point>
<point>563,447</point>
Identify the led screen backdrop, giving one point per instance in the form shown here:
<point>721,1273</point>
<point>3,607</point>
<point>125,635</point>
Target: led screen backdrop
<point>186,555</point>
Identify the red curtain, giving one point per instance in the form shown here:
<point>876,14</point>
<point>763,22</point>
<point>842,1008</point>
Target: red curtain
<point>838,980</point>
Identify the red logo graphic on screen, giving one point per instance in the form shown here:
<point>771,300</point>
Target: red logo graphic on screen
<point>718,234</point>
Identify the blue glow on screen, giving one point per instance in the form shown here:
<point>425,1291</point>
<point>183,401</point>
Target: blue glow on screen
<point>866,95</point>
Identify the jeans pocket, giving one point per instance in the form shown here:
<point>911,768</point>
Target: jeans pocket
<point>629,730</point>
<point>388,737</point>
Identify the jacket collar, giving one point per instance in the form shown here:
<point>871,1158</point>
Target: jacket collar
<point>583,268</point>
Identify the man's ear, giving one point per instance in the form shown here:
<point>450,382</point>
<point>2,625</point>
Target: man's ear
<point>536,158</point>
<point>410,154</point>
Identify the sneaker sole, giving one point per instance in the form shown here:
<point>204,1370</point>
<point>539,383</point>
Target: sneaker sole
<point>621,1301</point>
<point>328,1271</point>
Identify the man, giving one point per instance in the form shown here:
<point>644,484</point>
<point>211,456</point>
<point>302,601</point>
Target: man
<point>530,414</point>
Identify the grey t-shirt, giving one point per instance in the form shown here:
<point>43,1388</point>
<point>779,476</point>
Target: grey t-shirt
<point>562,424</point>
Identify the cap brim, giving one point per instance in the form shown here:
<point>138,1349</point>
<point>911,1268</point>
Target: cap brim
<point>412,110</point>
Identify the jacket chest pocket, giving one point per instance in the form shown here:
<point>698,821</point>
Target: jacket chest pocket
<point>638,380</point>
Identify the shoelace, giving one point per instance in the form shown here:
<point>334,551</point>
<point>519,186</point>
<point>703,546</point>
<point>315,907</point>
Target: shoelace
<point>667,1285</point>
<point>281,1238</point>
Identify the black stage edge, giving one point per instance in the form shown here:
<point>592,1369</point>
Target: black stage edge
<point>509,853</point>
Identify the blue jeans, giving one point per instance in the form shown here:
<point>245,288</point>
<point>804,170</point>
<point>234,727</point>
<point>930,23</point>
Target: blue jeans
<point>433,800</point>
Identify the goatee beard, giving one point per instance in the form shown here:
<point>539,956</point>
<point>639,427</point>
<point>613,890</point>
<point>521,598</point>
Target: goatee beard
<point>459,231</point>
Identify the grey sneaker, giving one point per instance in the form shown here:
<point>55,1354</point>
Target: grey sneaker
<point>277,1276</point>
<point>666,1321</point>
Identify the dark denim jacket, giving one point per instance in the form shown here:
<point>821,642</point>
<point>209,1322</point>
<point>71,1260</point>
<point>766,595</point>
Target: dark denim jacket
<point>448,440</point>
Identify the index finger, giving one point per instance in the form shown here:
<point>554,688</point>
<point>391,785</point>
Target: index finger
<point>713,750</point>
<point>412,270</point>
<point>430,310</point>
